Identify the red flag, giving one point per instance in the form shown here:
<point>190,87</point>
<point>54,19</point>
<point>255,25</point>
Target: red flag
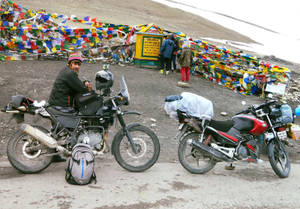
<point>24,37</point>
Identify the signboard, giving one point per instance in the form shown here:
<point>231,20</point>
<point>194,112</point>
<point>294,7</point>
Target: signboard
<point>151,46</point>
<point>276,89</point>
<point>148,43</point>
<point>147,48</point>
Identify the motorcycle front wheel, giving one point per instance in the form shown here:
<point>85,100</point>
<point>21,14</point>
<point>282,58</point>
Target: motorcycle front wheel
<point>279,159</point>
<point>26,154</point>
<point>147,145</point>
<point>192,159</point>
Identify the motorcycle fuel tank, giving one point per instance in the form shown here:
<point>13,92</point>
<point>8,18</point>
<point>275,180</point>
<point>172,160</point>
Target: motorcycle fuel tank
<point>249,124</point>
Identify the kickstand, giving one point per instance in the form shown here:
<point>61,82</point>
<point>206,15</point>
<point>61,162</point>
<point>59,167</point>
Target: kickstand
<point>230,167</point>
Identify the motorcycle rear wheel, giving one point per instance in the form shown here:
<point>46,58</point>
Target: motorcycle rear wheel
<point>191,159</point>
<point>147,144</point>
<point>25,161</point>
<point>279,159</point>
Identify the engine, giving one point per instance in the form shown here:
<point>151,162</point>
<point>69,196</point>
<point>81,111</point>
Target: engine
<point>92,137</point>
<point>242,152</point>
<point>249,149</point>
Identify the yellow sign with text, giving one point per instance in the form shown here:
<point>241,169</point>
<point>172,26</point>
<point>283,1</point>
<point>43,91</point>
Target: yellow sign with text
<point>148,46</point>
<point>151,46</point>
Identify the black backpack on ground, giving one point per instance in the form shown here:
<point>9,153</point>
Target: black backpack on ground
<point>80,170</point>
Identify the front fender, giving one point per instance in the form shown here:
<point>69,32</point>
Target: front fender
<point>121,133</point>
<point>131,113</point>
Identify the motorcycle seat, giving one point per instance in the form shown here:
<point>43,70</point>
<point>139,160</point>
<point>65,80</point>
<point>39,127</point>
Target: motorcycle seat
<point>221,125</point>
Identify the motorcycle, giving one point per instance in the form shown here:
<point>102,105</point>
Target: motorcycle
<point>204,142</point>
<point>135,147</point>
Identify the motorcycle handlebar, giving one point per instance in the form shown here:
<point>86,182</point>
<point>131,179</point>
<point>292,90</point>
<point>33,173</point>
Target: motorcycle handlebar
<point>252,108</point>
<point>265,104</point>
<point>244,111</point>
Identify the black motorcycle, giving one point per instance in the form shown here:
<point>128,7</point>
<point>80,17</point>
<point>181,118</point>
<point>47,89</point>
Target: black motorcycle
<point>204,142</point>
<point>135,147</point>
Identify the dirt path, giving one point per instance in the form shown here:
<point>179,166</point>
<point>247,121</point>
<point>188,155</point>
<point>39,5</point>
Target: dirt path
<point>165,185</point>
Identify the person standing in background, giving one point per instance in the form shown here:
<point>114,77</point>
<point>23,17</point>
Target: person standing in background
<point>160,57</point>
<point>185,60</point>
<point>166,51</point>
<point>174,54</point>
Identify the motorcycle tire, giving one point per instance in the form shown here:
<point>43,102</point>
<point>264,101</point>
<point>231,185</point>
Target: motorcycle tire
<point>147,144</point>
<point>279,159</point>
<point>24,161</point>
<point>190,158</point>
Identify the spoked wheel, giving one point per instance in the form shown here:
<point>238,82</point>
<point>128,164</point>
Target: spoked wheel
<point>192,159</point>
<point>279,159</point>
<point>26,154</point>
<point>147,145</point>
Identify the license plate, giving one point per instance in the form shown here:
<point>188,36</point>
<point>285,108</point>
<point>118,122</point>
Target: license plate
<point>282,135</point>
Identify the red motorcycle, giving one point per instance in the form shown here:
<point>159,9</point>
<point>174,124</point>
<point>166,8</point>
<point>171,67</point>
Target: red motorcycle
<point>204,142</point>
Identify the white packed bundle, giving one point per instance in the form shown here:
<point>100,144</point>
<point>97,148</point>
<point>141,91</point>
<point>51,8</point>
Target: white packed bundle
<point>192,104</point>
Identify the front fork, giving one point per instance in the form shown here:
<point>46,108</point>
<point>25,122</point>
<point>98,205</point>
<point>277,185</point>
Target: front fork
<point>274,132</point>
<point>126,132</point>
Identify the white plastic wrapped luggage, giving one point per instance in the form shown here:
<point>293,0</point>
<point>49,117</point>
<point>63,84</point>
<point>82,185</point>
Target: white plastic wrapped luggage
<point>190,103</point>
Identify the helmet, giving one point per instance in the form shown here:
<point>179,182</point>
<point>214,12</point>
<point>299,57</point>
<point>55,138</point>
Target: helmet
<point>104,80</point>
<point>75,56</point>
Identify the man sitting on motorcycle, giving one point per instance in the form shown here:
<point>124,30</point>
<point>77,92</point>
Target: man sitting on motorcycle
<point>66,86</point>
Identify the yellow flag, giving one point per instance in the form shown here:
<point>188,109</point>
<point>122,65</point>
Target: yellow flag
<point>30,13</point>
<point>54,15</point>
<point>97,39</point>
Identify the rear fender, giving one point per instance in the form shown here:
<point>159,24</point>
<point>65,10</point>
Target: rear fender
<point>183,131</point>
<point>17,115</point>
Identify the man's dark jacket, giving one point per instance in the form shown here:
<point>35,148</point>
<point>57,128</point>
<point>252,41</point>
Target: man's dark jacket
<point>167,47</point>
<point>66,86</point>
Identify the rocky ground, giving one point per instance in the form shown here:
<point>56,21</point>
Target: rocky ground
<point>148,89</point>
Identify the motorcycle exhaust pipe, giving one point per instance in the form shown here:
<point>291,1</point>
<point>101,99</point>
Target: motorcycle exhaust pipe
<point>218,155</point>
<point>40,136</point>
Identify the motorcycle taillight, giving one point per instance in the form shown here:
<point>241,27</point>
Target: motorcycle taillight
<point>280,129</point>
